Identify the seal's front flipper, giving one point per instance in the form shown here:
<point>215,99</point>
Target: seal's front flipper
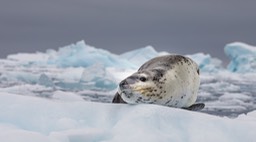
<point>117,99</point>
<point>196,107</point>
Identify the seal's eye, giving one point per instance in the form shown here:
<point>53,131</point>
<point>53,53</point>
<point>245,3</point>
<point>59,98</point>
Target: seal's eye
<point>143,79</point>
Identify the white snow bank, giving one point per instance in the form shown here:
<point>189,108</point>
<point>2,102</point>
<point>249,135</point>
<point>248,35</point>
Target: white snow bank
<point>24,119</point>
<point>242,56</point>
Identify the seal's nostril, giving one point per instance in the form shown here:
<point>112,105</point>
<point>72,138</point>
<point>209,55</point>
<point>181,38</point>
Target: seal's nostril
<point>122,83</point>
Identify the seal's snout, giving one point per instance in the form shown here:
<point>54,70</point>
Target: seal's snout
<point>131,80</point>
<point>125,83</point>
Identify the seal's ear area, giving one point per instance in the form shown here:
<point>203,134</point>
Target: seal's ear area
<point>196,107</point>
<point>117,99</point>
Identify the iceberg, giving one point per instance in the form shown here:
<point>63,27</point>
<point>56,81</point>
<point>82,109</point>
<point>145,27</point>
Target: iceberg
<point>71,119</point>
<point>206,63</point>
<point>82,55</point>
<point>242,56</point>
<point>74,55</point>
<point>141,55</point>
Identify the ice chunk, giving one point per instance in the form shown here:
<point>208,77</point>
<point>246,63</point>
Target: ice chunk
<point>120,74</point>
<point>242,56</point>
<point>141,55</point>
<point>45,81</point>
<point>82,55</point>
<point>234,96</point>
<point>20,76</point>
<point>74,55</point>
<point>206,63</point>
<point>37,58</point>
<point>97,77</point>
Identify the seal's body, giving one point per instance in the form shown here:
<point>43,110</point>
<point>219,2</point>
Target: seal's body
<point>171,80</point>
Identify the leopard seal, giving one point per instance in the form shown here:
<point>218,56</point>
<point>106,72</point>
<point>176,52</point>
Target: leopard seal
<point>170,80</point>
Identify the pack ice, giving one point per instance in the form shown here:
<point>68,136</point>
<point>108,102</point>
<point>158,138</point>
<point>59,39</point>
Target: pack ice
<point>64,95</point>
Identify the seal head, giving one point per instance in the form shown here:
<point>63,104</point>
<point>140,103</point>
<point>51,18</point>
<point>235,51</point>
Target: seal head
<point>141,87</point>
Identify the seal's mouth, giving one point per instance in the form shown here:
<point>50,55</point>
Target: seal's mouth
<point>127,93</point>
<point>129,96</point>
<point>134,92</point>
<point>126,90</point>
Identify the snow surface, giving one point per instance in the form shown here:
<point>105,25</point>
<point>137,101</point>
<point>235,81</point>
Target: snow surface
<point>24,119</point>
<point>65,95</point>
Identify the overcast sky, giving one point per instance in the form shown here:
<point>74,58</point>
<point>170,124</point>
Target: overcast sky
<point>179,26</point>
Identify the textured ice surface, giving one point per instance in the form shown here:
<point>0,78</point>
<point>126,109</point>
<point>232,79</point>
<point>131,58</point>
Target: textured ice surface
<point>72,79</point>
<point>228,94</point>
<point>141,55</point>
<point>25,118</point>
<point>45,81</point>
<point>242,56</point>
<point>65,95</point>
<point>206,63</point>
<point>74,55</point>
<point>29,58</point>
<point>82,55</point>
<point>42,74</point>
<point>91,83</point>
<point>97,77</point>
